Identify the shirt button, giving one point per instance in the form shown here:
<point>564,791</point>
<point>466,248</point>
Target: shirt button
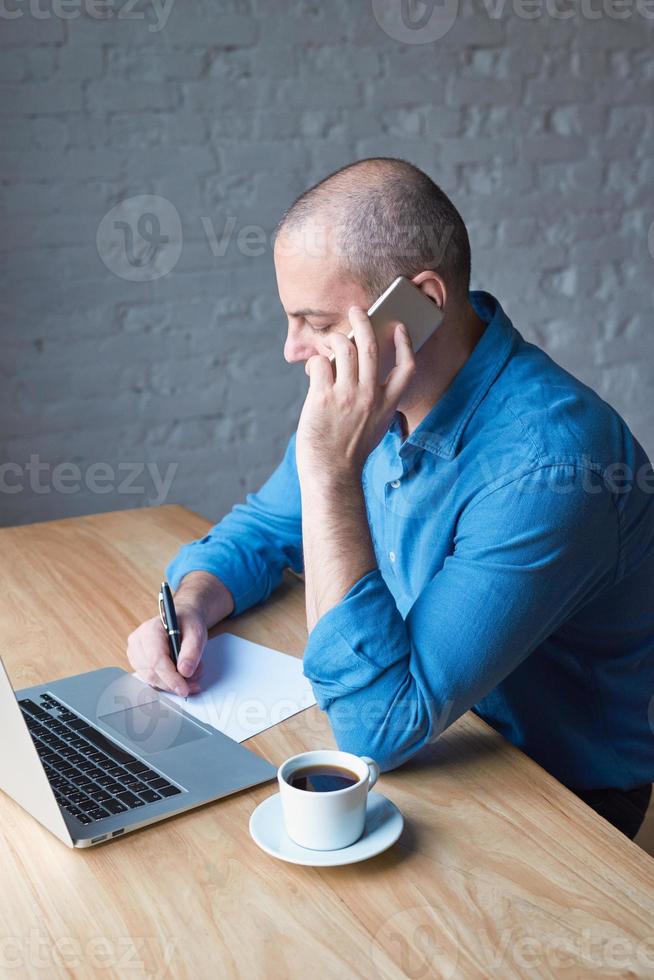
<point>391,555</point>
<point>395,484</point>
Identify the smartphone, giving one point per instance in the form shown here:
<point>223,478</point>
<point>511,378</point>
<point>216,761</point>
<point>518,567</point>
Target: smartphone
<point>403,303</point>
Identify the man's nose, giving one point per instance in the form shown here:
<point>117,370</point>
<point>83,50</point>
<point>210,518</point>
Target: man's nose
<point>297,348</point>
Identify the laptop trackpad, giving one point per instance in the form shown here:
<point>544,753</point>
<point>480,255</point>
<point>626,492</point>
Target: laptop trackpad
<point>154,726</point>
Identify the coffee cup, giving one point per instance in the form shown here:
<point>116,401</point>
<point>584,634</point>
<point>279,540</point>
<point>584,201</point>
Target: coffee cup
<point>324,795</point>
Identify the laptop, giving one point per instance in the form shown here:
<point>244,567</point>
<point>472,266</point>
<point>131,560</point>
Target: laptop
<point>95,756</point>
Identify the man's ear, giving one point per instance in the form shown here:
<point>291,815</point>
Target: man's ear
<point>432,285</point>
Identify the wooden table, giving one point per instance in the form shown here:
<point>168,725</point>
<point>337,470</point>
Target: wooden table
<point>500,871</point>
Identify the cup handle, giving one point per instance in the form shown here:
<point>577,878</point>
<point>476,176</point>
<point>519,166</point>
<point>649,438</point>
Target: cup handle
<point>374,770</point>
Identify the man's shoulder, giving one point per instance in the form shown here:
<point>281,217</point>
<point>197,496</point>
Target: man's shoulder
<point>555,416</point>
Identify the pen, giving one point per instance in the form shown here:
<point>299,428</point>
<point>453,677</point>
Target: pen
<point>169,622</point>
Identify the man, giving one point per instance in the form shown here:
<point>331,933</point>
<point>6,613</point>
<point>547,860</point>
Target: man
<point>476,532</point>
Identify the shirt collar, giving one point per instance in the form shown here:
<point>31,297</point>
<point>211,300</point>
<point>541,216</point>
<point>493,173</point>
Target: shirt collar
<point>441,430</point>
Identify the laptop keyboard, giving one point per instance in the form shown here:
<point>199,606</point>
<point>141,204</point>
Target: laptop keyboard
<point>92,777</point>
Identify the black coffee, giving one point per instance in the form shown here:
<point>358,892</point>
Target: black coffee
<point>322,779</point>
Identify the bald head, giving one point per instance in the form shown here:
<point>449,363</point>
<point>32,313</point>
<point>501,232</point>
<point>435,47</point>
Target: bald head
<point>384,218</point>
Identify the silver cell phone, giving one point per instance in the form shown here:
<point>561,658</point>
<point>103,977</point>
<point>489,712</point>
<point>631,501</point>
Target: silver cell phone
<point>403,303</point>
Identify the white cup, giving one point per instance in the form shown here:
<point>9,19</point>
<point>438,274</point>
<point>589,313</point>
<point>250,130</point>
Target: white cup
<point>326,821</point>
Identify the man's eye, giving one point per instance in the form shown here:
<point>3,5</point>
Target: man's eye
<point>320,329</point>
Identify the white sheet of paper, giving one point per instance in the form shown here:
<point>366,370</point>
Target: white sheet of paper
<point>246,687</point>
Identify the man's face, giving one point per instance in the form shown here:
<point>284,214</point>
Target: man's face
<point>314,292</point>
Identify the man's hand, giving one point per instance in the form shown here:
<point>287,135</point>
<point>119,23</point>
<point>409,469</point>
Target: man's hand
<point>342,421</point>
<point>345,417</point>
<point>201,601</point>
<point>148,653</point>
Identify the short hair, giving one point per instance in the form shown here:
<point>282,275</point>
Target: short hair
<point>389,219</point>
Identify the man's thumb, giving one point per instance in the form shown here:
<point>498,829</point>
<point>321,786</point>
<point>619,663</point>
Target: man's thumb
<point>190,653</point>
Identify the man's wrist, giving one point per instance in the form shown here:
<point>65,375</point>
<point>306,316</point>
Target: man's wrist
<point>331,484</point>
<point>333,505</point>
<point>336,538</point>
<point>205,595</point>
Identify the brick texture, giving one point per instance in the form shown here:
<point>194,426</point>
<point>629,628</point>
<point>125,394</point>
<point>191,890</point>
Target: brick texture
<point>541,128</point>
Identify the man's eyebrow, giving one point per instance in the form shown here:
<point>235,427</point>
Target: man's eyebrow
<point>309,312</point>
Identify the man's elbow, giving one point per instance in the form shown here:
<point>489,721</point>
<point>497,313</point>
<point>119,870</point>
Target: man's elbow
<point>374,731</point>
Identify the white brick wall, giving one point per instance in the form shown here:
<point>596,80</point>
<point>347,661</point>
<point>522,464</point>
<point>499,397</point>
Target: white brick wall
<point>541,130</point>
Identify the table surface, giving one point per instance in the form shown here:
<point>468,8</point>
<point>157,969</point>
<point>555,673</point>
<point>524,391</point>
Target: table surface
<point>499,872</point>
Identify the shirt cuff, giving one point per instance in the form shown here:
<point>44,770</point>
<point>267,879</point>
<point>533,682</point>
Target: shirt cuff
<point>232,574</point>
<point>355,641</point>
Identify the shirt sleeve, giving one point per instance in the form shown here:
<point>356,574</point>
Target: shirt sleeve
<point>252,545</point>
<point>526,555</point>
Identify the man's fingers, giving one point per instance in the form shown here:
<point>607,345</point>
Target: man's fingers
<point>191,650</point>
<point>346,360</point>
<point>151,677</point>
<point>169,676</point>
<point>148,676</point>
<point>405,366</point>
<point>148,652</point>
<point>197,673</point>
<point>367,346</point>
<point>321,375</point>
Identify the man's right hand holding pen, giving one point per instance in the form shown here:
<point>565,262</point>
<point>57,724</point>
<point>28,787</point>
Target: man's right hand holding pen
<point>201,602</point>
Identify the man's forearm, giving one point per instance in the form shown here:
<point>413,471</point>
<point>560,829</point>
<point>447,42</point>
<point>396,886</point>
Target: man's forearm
<point>207,595</point>
<point>338,548</point>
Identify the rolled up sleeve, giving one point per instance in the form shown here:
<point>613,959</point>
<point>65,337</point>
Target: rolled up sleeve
<point>252,545</point>
<point>526,555</point>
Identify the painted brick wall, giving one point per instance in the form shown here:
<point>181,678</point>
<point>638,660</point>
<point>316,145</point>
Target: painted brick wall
<point>538,124</point>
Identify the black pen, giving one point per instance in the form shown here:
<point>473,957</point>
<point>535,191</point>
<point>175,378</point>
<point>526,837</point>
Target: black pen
<point>169,622</point>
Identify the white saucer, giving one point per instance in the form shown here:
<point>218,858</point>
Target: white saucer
<point>384,824</point>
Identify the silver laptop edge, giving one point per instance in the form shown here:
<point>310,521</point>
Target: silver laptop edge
<point>202,762</point>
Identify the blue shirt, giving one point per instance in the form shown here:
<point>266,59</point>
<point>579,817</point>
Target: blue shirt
<point>514,536</point>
